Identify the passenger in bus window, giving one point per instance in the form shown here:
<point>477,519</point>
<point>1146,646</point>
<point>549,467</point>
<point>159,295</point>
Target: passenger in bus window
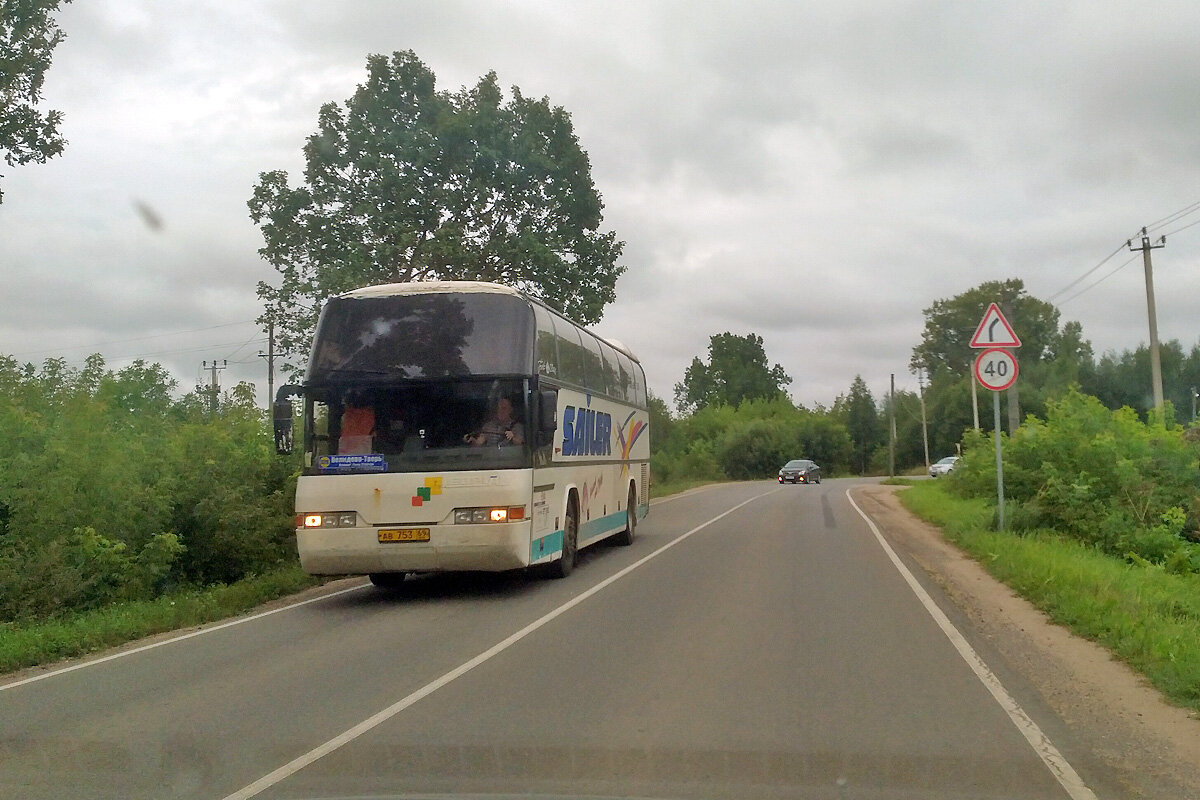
<point>358,427</point>
<point>500,429</point>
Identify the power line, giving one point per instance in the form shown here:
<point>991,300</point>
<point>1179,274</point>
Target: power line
<point>1169,218</point>
<point>1104,261</point>
<point>1101,280</point>
<point>1184,228</point>
<point>1159,223</point>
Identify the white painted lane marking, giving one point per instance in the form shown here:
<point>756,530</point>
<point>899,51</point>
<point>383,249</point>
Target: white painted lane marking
<point>349,735</point>
<point>93,662</point>
<point>174,639</point>
<point>1067,777</point>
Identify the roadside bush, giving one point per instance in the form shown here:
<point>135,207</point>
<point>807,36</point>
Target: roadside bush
<point>112,490</point>
<point>1104,477</point>
<point>758,449</point>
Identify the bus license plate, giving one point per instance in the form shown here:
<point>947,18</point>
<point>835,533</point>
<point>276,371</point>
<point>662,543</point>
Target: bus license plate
<point>404,535</point>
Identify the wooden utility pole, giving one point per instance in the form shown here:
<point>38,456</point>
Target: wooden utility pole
<point>270,357</point>
<point>214,391</point>
<point>892,430</point>
<point>1155,363</point>
<point>924,423</point>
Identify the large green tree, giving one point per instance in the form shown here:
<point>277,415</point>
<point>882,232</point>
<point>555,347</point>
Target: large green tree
<point>945,352</point>
<point>406,183</point>
<point>28,36</point>
<point>737,370</point>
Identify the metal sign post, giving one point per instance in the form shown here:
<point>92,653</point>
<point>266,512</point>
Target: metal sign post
<point>997,370</point>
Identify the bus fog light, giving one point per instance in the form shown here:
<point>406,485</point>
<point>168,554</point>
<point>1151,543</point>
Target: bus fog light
<point>312,521</point>
<point>498,514</point>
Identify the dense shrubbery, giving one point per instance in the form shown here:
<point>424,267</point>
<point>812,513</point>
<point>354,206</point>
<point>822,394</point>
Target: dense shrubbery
<point>1104,477</point>
<point>750,441</point>
<point>111,489</point>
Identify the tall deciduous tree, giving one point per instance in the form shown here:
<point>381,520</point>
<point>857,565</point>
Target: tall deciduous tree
<point>406,183</point>
<point>737,370</point>
<point>950,322</point>
<point>28,36</point>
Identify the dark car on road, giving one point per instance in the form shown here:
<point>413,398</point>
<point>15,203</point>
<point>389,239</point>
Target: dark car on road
<point>800,471</point>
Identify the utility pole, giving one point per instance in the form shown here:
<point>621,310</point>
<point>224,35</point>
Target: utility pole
<point>270,357</point>
<point>1155,363</point>
<point>924,424</point>
<point>213,389</point>
<point>975,400</point>
<point>892,431</point>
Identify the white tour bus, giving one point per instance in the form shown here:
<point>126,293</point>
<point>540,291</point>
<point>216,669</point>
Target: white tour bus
<point>462,426</point>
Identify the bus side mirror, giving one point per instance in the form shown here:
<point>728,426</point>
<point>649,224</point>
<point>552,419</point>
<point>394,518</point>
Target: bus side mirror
<point>547,415</point>
<point>281,417</point>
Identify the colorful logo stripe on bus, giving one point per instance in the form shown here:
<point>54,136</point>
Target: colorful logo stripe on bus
<point>629,433</point>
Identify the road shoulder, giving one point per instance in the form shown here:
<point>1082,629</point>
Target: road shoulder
<point>1152,746</point>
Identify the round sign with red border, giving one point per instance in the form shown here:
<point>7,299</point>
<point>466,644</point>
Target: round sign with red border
<point>996,369</point>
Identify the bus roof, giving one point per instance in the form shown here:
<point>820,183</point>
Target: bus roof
<point>431,287</point>
<point>449,287</point>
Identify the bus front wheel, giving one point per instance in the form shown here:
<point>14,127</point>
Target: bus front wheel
<point>563,566</point>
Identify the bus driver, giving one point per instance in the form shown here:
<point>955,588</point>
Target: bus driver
<point>503,428</point>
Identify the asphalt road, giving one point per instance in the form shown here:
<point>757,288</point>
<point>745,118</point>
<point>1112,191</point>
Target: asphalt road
<point>775,651</point>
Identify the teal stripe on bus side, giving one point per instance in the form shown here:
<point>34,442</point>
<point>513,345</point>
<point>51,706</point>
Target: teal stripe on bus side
<point>553,542</point>
<point>550,543</point>
<point>601,525</point>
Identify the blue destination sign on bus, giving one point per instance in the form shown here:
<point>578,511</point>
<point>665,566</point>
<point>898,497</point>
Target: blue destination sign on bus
<point>368,462</point>
<point>586,432</point>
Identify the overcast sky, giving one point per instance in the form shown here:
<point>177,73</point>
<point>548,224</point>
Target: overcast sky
<point>815,172</point>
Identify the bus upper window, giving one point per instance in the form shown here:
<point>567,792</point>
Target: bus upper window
<point>570,354</point>
<point>612,374</point>
<point>547,344</point>
<point>593,364</point>
<point>626,376</point>
<point>423,336</point>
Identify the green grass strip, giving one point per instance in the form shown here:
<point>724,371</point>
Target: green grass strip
<point>28,644</point>
<point>1148,617</point>
<point>667,488</point>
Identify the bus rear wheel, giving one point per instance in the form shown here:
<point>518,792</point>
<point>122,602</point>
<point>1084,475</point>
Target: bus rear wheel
<point>625,537</point>
<point>387,580</point>
<point>566,563</point>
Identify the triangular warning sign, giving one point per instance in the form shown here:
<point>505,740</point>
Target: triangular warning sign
<point>994,330</point>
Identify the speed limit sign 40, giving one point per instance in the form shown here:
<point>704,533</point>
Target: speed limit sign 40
<point>996,369</point>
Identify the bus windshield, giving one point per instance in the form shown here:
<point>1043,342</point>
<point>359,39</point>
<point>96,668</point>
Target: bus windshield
<point>417,426</point>
<point>417,336</point>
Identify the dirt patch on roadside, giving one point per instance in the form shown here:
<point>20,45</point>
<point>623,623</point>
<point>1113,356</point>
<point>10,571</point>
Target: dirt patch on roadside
<point>1152,746</point>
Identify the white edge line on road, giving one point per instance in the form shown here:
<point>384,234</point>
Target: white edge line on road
<point>93,662</point>
<point>112,657</point>
<point>1041,744</point>
<point>349,735</point>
